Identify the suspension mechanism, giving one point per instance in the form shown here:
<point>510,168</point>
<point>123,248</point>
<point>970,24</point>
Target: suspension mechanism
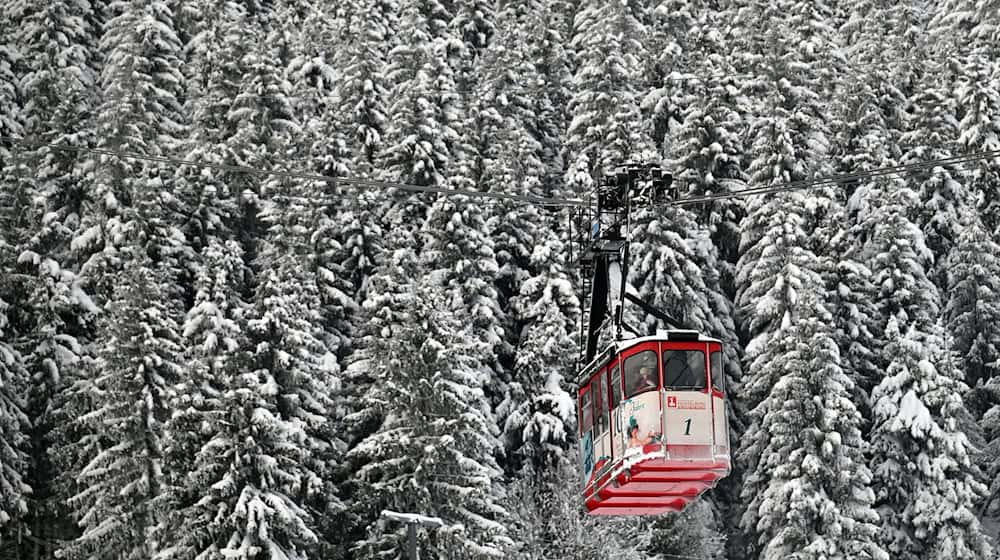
<point>604,257</point>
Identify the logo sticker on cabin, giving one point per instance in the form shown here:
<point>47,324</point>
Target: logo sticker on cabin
<point>672,402</point>
<point>691,405</point>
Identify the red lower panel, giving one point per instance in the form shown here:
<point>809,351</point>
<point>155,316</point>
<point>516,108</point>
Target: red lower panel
<point>652,487</point>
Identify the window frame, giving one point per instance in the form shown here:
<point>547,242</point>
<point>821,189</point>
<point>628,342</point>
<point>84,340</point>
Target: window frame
<point>718,378</point>
<point>704,369</point>
<point>627,382</point>
<point>586,406</point>
<point>617,389</point>
<point>599,398</point>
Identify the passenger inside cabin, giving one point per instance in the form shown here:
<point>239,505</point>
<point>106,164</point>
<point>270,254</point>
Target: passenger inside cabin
<point>645,382</point>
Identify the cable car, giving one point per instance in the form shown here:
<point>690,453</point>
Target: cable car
<point>654,432</point>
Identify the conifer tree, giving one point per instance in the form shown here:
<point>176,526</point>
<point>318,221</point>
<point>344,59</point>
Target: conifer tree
<point>141,88</point>
<point>924,478</point>
<point>215,61</point>
<point>898,259</point>
<point>250,473</point>
<point>314,80</point>
<point>917,405</point>
<point>363,92</point>
<point>14,423</point>
<point>541,31</point>
<point>541,425</point>
<point>285,331</point>
<point>460,260</point>
<point>972,304</point>
<point>510,155</point>
<point>547,522</point>
<point>970,316</point>
<point>57,40</point>
<point>810,494</point>
<point>10,116</point>
<point>978,131</point>
<point>422,137</point>
<point>931,129</point>
<point>706,154</point>
<point>990,425</point>
<point>851,299</point>
<point>138,361</point>
<point>126,204</point>
<point>433,452</point>
<point>244,450</point>
<point>56,75</point>
<point>606,124</point>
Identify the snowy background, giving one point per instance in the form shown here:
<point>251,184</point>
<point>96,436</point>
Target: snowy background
<point>204,363</point>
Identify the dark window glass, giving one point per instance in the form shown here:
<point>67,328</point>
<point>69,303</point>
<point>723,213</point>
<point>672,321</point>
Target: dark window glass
<point>586,413</point>
<point>616,386</point>
<point>683,369</point>
<point>600,412</point>
<point>641,374</point>
<point>718,375</point>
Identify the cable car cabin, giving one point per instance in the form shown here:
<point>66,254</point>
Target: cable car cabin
<point>654,434</point>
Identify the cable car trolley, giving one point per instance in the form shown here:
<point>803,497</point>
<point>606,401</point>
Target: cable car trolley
<point>654,433</point>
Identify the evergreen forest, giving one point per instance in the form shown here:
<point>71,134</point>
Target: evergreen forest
<point>224,361</point>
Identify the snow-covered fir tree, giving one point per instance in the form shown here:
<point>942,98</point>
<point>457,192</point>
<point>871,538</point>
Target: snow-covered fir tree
<point>14,422</point>
<point>57,41</point>
<point>10,117</point>
<point>931,130</point>
<point>810,495</point>
<point>548,523</point>
<point>138,361</point>
<point>973,301</point>
<point>969,313</point>
<point>214,59</point>
<point>285,331</point>
<point>705,156</point>
<point>433,453</point>
<point>924,479</point>
<point>459,259</point>
<point>850,298</point>
<point>42,204</point>
<point>899,259</point>
<point>917,406</point>
<point>364,34</point>
<point>313,79</point>
<point>423,113</point>
<point>977,95</point>
<point>604,106</point>
<point>243,441</point>
<point>541,425</point>
<point>213,337</point>
<point>141,87</point>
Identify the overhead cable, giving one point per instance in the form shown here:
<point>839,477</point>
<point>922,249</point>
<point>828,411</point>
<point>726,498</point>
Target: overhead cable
<point>843,179</point>
<point>349,181</point>
<point>804,184</point>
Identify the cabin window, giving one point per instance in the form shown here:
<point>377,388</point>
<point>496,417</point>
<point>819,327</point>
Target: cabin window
<point>616,386</point>
<point>599,388</point>
<point>641,374</point>
<point>586,412</point>
<point>718,375</point>
<point>683,369</point>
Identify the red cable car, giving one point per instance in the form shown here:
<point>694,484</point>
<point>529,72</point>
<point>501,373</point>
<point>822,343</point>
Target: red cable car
<point>654,433</point>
